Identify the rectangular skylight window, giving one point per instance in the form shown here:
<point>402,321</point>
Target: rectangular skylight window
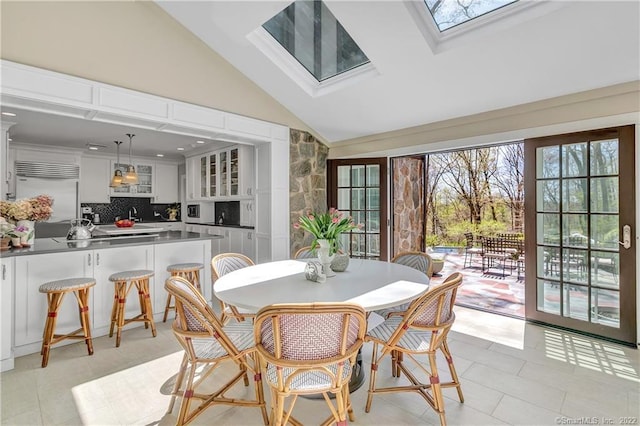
<point>311,34</point>
<point>449,13</point>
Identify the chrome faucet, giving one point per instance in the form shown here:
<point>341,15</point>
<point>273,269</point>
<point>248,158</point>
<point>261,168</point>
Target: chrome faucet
<point>134,215</point>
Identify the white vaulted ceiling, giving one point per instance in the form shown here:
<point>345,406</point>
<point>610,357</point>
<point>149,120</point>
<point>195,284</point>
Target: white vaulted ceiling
<point>542,49</point>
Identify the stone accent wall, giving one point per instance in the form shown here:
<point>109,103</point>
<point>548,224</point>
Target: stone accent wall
<point>307,182</point>
<point>408,204</point>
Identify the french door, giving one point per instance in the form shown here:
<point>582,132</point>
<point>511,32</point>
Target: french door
<point>580,224</point>
<point>358,187</point>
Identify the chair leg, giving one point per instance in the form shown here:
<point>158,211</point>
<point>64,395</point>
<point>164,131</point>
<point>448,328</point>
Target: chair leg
<point>438,400</point>
<point>452,369</point>
<point>372,379</point>
<point>186,396</point>
<point>179,379</point>
<point>167,308</point>
<point>257,382</point>
<point>145,304</point>
<point>54,301</point>
<point>82,296</point>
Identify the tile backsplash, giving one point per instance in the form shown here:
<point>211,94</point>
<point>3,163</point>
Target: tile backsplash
<point>119,207</point>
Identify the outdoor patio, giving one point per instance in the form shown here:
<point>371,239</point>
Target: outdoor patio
<point>488,292</point>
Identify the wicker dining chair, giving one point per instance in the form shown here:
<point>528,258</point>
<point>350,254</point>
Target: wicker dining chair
<point>421,330</point>
<point>309,349</point>
<point>416,260</point>
<point>221,265</point>
<point>208,344</point>
<point>305,253</point>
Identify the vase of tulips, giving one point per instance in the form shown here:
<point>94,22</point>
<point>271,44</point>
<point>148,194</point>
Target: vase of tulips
<point>326,229</point>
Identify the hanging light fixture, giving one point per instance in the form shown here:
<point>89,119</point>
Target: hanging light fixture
<point>117,178</point>
<point>130,177</point>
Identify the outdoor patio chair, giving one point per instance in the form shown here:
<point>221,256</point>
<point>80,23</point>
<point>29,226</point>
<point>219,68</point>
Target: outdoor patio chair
<point>470,250</point>
<point>421,330</point>
<point>208,345</point>
<point>495,255</point>
<point>221,265</point>
<point>309,348</point>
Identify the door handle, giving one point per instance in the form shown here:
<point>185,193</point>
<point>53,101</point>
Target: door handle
<point>89,259</point>
<point>626,237</point>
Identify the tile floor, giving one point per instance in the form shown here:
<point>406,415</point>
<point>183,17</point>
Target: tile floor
<point>511,373</point>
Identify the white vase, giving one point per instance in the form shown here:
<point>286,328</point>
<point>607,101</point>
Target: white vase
<point>32,226</point>
<point>325,258</point>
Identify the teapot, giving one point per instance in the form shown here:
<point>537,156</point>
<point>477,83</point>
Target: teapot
<point>81,229</point>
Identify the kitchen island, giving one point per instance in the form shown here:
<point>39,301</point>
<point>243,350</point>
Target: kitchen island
<point>24,308</point>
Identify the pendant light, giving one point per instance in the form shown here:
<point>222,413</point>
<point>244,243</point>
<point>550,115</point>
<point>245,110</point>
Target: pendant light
<point>117,179</point>
<point>130,177</point>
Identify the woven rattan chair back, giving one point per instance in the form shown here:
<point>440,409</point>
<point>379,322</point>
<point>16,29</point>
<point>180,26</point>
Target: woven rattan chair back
<point>435,307</point>
<point>205,341</point>
<point>416,260</point>
<point>309,348</point>
<point>305,253</point>
<point>221,265</point>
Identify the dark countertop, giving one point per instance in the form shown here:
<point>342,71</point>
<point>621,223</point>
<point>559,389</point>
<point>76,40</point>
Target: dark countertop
<point>57,245</point>
<point>224,225</point>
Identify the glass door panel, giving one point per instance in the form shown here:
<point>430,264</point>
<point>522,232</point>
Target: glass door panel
<point>224,173</point>
<point>203,176</point>
<point>356,188</point>
<point>585,280</point>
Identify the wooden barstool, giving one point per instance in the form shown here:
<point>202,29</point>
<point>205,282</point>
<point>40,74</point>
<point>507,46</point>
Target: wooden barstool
<point>188,271</point>
<point>55,291</point>
<point>124,282</point>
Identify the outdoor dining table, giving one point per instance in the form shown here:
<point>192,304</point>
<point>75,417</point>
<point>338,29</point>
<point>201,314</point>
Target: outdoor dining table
<point>372,284</point>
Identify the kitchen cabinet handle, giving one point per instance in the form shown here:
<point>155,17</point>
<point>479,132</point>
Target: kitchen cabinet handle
<point>248,235</point>
<point>89,259</point>
<point>98,259</point>
<point>4,272</point>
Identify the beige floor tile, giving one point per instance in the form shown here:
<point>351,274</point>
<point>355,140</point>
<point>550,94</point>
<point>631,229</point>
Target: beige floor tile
<point>515,411</point>
<point>511,372</point>
<point>536,393</point>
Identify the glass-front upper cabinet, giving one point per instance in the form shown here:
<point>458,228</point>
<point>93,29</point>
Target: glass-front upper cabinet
<point>224,173</point>
<point>203,177</point>
<point>144,188</point>
<point>213,175</point>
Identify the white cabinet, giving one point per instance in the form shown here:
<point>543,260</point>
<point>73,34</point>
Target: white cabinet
<point>144,188</point>
<point>183,252</point>
<point>196,183</point>
<point>166,183</point>
<point>95,176</point>
<point>234,240</point>
<point>31,305</point>
<point>236,172</point>
<point>223,174</point>
<point>107,262</point>
<point>6,306</point>
<point>247,215</point>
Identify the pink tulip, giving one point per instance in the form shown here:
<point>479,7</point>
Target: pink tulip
<point>296,226</point>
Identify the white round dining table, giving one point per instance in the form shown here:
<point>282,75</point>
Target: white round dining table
<point>372,284</point>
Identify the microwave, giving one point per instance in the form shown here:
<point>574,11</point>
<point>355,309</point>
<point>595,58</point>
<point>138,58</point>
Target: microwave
<point>193,211</point>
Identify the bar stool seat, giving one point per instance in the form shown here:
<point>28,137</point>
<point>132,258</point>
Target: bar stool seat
<point>55,291</point>
<point>124,282</point>
<point>188,271</point>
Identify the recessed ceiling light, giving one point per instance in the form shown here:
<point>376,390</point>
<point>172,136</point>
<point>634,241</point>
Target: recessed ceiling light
<point>95,146</point>
<point>159,155</point>
<point>199,141</point>
<point>8,114</point>
<point>180,149</point>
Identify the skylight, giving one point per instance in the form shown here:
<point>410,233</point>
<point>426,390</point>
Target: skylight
<point>449,13</point>
<point>313,36</point>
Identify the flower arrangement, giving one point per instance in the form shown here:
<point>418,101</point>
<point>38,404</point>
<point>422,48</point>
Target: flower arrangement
<point>5,228</point>
<point>327,226</point>
<point>37,209</point>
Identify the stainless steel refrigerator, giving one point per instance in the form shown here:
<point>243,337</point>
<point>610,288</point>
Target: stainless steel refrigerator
<point>60,182</point>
